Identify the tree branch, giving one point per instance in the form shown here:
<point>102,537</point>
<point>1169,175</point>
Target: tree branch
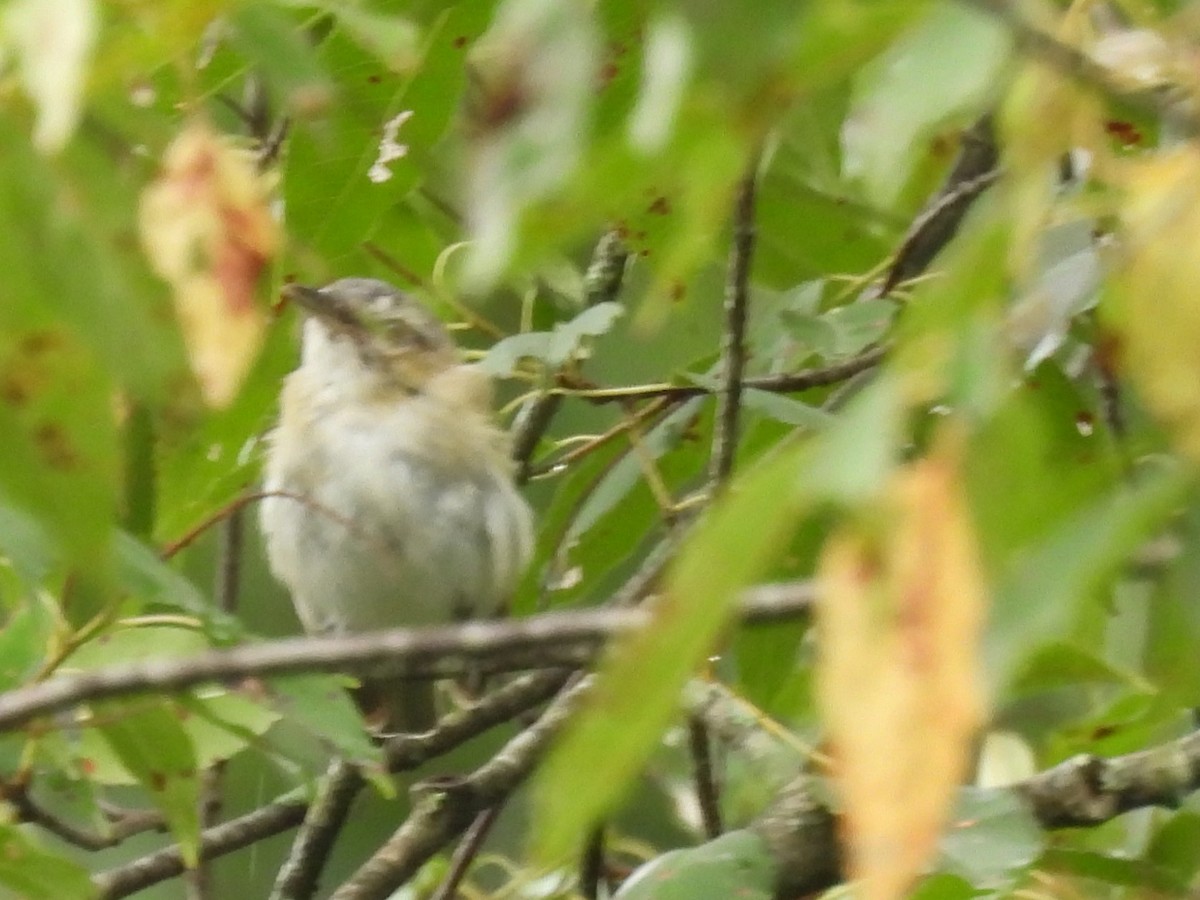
<point>300,874</point>
<point>404,753</point>
<point>726,430</point>
<point>1080,792</point>
<point>974,172</point>
<point>549,640</point>
<point>445,811</point>
<point>787,383</point>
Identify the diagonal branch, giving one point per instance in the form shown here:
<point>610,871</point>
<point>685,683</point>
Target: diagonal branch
<point>444,812</point>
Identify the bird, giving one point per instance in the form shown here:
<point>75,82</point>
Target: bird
<point>389,497</point>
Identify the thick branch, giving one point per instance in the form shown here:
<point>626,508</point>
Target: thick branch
<point>1088,790</point>
<point>1082,791</point>
<point>550,640</point>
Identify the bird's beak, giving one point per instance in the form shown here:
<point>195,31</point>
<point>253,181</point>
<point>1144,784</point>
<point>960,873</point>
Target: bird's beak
<point>329,306</point>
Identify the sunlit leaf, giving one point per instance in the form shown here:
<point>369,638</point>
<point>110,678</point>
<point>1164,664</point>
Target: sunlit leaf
<point>530,115</point>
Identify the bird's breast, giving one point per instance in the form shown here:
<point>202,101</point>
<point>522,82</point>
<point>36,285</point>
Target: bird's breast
<point>408,514</point>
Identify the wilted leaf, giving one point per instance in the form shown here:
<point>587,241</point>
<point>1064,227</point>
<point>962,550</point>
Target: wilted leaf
<point>899,623</point>
<point>208,230</point>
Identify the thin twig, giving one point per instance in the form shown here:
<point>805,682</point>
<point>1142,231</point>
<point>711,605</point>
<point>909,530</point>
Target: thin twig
<point>708,795</point>
<point>547,640</point>
<point>787,383</point>
<point>593,869</point>
<point>300,874</point>
<point>636,419</point>
<point>466,851</point>
<point>733,341</point>
<point>726,431</point>
<point>226,585</point>
<point>974,172</point>
<point>121,828</point>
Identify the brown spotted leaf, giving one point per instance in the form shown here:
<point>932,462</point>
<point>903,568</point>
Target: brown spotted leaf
<point>207,227</point>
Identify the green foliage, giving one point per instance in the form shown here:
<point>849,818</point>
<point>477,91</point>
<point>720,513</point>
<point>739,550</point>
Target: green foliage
<point>474,153</point>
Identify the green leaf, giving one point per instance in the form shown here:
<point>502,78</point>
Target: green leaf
<point>394,40</point>
<point>151,743</point>
<point>944,68</point>
<point>1037,602</point>
<point>152,580</point>
<point>943,887</point>
<point>27,545</point>
<point>321,706</point>
<point>589,770</point>
<point>25,639</point>
<point>858,325</point>
<point>1034,438</point>
<point>1061,664</point>
<point>737,864</point>
<point>223,723</point>
<point>529,152</point>
<point>1173,846</point>
<point>277,47</point>
<point>1111,869</point>
<point>992,838</point>
<point>32,873</point>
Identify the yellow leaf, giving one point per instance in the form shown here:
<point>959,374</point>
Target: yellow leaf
<point>208,230</point>
<point>898,685</point>
<point>1159,285</point>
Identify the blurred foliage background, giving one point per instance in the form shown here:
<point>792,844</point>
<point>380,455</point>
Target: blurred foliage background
<point>477,154</point>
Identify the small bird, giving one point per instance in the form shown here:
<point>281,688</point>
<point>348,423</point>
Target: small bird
<point>390,499</point>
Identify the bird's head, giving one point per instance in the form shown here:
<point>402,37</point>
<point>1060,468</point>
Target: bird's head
<point>362,328</point>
